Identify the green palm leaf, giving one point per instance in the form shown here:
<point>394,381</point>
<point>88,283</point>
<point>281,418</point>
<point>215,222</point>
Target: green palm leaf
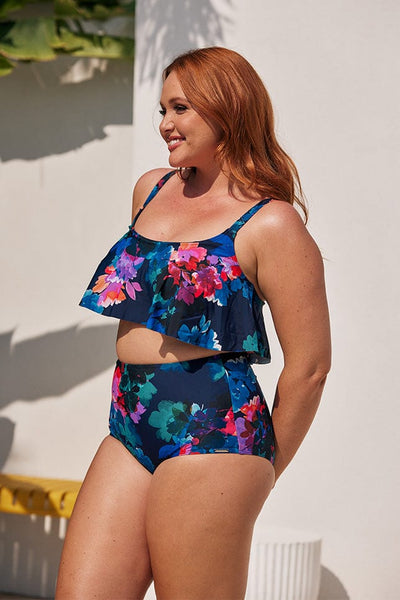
<point>28,39</point>
<point>99,46</point>
<point>44,37</point>
<point>100,11</point>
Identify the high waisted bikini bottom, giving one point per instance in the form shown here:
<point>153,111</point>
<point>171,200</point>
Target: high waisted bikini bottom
<point>200,406</point>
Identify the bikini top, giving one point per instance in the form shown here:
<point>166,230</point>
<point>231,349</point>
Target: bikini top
<point>193,291</point>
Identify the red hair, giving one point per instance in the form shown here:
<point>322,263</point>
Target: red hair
<point>226,91</point>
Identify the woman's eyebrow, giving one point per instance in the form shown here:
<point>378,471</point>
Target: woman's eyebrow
<point>176,99</point>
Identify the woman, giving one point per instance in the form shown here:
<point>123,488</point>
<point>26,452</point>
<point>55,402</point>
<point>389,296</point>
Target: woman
<point>173,493</point>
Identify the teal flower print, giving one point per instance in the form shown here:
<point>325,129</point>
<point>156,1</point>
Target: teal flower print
<point>250,344</point>
<point>170,419</point>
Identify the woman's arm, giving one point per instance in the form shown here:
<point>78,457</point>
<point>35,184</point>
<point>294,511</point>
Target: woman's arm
<point>291,278</point>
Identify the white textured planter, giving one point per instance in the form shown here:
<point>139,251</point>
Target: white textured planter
<point>284,565</point>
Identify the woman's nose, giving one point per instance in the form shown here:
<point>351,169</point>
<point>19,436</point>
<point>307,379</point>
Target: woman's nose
<point>167,123</point>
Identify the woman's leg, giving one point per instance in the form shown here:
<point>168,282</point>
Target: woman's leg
<point>105,553</point>
<point>200,515</point>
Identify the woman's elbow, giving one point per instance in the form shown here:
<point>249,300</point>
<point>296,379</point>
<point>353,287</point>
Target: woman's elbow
<point>313,375</point>
<point>318,374</point>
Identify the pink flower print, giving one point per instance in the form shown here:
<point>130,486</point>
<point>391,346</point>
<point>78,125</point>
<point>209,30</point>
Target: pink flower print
<point>127,265</point>
<point>251,409</point>
<point>187,290</point>
<point>212,259</point>
<point>109,288</point>
<point>132,287</point>
<point>174,272</point>
<point>113,295</point>
<point>115,383</point>
<point>230,427</point>
<point>186,293</point>
<point>137,413</point>
<point>119,406</point>
<point>185,449</point>
<point>245,433</point>
<point>188,255</point>
<point>207,281</point>
<point>231,269</point>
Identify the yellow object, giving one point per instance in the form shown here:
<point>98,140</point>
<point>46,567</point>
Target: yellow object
<point>38,496</point>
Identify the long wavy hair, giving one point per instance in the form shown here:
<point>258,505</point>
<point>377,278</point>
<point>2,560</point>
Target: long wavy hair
<point>227,92</point>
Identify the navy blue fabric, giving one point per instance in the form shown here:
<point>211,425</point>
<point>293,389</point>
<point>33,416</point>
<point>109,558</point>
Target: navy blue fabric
<point>209,405</point>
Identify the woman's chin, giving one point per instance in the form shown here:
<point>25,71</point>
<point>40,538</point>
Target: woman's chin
<point>174,162</point>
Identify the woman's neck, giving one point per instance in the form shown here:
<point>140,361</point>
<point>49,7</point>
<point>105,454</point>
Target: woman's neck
<point>212,182</point>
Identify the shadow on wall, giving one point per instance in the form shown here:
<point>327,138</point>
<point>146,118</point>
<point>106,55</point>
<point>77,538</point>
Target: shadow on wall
<point>331,588</point>
<point>51,108</point>
<point>53,363</point>
<point>193,23</point>
<point>31,549</point>
<point>7,428</point>
<point>50,365</point>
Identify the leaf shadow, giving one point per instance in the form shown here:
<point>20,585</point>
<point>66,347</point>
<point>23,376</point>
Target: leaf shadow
<point>42,116</point>
<point>165,29</point>
<point>53,363</point>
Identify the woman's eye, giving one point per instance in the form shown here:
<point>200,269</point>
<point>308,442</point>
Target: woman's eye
<point>178,108</point>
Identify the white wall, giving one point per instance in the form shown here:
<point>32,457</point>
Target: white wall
<point>332,71</point>
<point>66,178</point>
<point>65,187</point>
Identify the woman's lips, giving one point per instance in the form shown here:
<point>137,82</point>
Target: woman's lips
<point>174,142</point>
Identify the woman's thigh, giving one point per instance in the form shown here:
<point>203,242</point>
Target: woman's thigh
<point>105,552</point>
<point>200,515</point>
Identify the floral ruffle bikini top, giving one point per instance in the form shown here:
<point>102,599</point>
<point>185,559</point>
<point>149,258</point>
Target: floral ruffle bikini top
<point>193,291</point>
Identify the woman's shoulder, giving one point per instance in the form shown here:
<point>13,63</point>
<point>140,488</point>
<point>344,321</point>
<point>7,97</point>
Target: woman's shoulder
<point>277,228</point>
<point>149,179</point>
<point>145,184</point>
<point>277,217</point>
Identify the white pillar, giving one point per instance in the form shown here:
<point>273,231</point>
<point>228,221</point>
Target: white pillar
<point>284,565</point>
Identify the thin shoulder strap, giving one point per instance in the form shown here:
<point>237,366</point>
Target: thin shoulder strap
<point>247,215</point>
<point>153,192</point>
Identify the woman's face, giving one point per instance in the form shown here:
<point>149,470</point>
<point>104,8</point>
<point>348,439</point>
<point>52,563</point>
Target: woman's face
<point>191,141</point>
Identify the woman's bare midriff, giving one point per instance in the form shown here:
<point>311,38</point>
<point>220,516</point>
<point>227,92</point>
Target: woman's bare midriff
<point>138,345</point>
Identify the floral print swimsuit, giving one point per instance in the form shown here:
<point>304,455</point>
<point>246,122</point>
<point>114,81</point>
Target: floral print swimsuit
<point>197,293</point>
